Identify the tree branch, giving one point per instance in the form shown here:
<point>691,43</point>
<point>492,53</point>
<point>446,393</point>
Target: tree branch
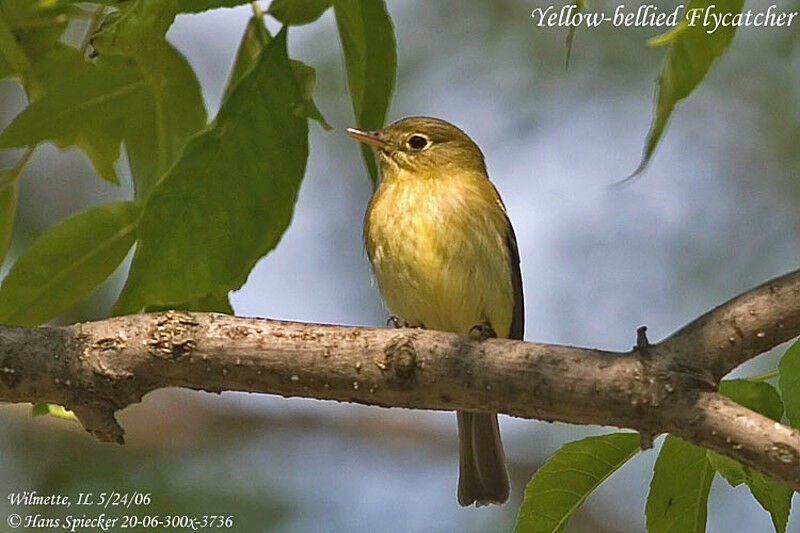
<point>98,367</point>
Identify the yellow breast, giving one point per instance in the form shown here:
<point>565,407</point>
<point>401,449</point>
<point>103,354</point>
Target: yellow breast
<point>438,248</point>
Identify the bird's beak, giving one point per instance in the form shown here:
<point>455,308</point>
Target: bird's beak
<point>373,138</point>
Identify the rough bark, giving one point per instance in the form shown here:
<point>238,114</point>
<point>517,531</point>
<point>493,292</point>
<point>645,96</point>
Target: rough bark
<point>99,367</point>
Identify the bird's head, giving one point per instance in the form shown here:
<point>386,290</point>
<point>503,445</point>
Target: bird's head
<point>422,145</point>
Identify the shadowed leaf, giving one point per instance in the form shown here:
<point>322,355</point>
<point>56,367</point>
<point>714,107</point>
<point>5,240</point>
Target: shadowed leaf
<point>298,11</point>
<point>367,37</point>
<point>229,198</point>
<point>254,39</point>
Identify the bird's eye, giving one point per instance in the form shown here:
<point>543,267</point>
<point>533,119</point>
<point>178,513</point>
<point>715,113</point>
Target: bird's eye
<point>417,142</point>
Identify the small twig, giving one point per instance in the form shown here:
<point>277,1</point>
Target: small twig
<point>641,338</point>
<point>774,373</point>
<point>94,22</point>
<point>13,174</point>
<point>257,11</point>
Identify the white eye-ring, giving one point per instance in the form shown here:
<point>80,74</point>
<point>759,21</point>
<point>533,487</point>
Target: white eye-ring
<point>417,142</point>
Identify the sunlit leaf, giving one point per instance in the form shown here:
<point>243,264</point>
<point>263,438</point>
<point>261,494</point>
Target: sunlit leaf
<point>569,476</point>
<point>183,6</point>
<point>298,11</point>
<point>229,198</point>
<point>367,37</point>
<point>53,409</point>
<point>678,496</point>
<point>66,263</point>
<point>28,31</point>
<point>134,26</point>
<point>84,105</point>
<point>95,105</point>
<point>692,50</point>
<point>789,383</point>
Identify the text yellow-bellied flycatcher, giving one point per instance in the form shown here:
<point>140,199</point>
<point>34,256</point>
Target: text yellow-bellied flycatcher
<point>445,257</point>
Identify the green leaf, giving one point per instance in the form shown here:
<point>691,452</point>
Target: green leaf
<point>66,263</point>
<point>28,31</point>
<point>8,208</point>
<point>254,39</point>
<point>564,482</point>
<point>153,104</point>
<point>774,496</point>
<point>183,6</point>
<point>9,192</point>
<point>84,105</point>
<point>789,383</point>
<point>678,495</point>
<point>306,79</point>
<point>172,109</point>
<point>196,6</point>
<point>367,37</point>
<point>580,5</point>
<point>298,11</point>
<point>756,395</point>
<point>691,53</point>
<point>734,472</point>
<point>53,409</point>
<point>134,27</point>
<point>229,198</point>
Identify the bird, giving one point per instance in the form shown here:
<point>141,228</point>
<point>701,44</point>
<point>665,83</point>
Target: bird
<point>445,257</point>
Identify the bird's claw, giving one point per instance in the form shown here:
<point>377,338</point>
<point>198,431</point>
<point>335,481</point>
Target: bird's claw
<point>482,331</point>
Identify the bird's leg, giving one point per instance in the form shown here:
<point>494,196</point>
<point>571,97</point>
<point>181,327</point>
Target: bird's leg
<point>482,331</point>
<point>394,321</point>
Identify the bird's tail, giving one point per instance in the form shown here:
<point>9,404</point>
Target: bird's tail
<point>482,477</point>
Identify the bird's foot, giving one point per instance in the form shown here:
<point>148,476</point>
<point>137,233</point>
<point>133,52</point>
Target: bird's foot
<point>482,331</point>
<point>395,322</point>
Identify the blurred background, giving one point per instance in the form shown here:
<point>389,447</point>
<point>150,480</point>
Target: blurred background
<point>714,214</point>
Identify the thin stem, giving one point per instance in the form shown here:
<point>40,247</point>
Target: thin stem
<point>94,22</point>
<point>257,12</point>
<point>774,373</point>
<point>13,173</point>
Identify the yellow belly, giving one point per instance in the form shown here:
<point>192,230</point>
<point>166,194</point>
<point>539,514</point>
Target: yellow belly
<point>438,248</point>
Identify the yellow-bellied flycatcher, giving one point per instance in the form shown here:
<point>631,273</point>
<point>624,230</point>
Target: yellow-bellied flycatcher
<point>445,257</point>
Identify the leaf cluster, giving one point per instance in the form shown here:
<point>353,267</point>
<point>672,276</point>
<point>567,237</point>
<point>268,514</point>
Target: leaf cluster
<point>683,472</point>
<point>211,197</point>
